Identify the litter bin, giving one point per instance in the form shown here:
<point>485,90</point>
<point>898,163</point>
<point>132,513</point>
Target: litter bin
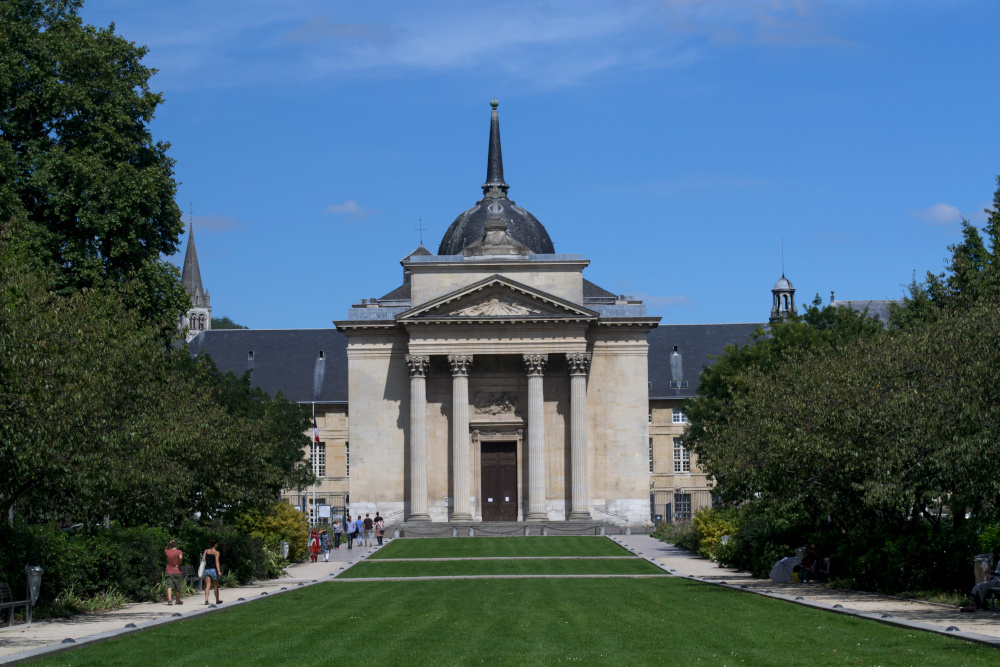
<point>284,550</point>
<point>33,577</point>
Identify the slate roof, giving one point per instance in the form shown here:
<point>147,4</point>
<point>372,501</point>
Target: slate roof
<point>592,291</point>
<point>694,343</point>
<point>285,360</point>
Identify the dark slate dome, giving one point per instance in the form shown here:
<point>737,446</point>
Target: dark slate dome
<point>470,226</point>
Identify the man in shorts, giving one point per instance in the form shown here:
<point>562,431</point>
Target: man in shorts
<point>175,580</point>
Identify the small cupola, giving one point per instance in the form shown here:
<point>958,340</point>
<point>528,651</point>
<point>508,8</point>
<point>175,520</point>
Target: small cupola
<point>783,305</point>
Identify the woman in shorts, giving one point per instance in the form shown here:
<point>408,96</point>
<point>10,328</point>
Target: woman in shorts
<point>213,568</point>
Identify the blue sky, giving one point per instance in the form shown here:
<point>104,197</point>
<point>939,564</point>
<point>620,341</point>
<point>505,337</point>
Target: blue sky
<point>674,143</point>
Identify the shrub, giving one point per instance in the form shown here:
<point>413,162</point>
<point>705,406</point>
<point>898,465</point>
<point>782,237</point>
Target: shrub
<point>682,536</point>
<point>278,523</point>
<point>710,525</point>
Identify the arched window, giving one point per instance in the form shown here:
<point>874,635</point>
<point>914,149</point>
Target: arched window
<point>192,322</point>
<point>785,297</point>
<point>201,323</point>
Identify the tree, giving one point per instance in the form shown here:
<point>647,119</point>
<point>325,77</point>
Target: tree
<point>78,160</point>
<point>225,323</point>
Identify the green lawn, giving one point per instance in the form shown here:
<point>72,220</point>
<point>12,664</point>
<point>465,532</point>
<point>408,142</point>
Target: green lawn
<point>511,566</point>
<point>663,621</point>
<point>507,547</point>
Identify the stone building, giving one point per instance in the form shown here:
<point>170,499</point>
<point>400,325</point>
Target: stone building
<point>496,383</point>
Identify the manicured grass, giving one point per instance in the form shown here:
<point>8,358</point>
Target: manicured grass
<point>664,621</point>
<point>511,566</point>
<point>508,547</point>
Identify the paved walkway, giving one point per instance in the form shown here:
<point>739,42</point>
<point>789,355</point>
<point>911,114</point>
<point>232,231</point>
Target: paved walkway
<point>978,626</point>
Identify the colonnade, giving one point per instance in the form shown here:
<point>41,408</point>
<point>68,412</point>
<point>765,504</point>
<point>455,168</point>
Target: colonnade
<point>535,364</point>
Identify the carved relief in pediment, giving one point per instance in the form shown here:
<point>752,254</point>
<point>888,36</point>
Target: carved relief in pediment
<point>495,308</point>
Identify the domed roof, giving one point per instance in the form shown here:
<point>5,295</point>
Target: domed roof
<point>470,226</point>
<point>783,283</point>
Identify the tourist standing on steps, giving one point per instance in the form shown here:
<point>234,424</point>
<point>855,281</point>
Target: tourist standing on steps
<point>213,568</point>
<point>348,529</point>
<point>175,580</point>
<point>336,533</point>
<point>379,528</point>
<point>314,546</point>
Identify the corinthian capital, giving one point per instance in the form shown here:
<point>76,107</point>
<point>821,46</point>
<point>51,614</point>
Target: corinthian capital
<point>535,363</point>
<point>459,363</point>
<point>579,363</point>
<point>417,365</point>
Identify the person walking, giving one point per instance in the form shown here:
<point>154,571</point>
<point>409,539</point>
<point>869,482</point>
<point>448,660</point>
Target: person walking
<point>368,525</point>
<point>324,545</point>
<point>348,531</point>
<point>314,546</point>
<point>336,533</point>
<point>213,568</point>
<point>379,528</point>
<point>359,527</point>
<point>175,579</point>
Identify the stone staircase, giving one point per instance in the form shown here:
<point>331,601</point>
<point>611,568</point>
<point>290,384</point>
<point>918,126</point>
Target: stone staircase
<point>506,528</point>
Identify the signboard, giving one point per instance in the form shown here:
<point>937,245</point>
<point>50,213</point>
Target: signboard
<point>323,511</point>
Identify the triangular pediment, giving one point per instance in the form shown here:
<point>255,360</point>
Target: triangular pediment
<point>497,299</point>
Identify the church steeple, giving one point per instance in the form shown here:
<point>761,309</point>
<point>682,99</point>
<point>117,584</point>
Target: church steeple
<point>494,186</point>
<point>191,274</point>
<point>198,318</point>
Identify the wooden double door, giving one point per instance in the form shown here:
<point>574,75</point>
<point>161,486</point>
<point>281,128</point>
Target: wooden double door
<point>499,477</point>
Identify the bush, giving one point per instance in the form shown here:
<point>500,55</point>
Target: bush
<point>682,536</point>
<point>710,525</point>
<point>279,523</point>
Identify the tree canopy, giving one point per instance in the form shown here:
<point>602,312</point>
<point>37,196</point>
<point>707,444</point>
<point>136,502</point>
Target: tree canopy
<point>78,161</point>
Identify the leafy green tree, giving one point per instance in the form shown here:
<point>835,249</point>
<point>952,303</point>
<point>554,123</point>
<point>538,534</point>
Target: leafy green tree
<point>225,322</point>
<point>78,160</point>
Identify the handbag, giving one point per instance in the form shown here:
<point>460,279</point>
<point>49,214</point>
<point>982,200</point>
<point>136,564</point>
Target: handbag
<point>201,568</point>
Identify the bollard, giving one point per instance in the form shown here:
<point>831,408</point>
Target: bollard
<point>628,530</point>
<point>545,530</point>
<point>472,531</point>
<point>454,532</point>
<point>395,534</point>
<point>602,529</point>
<point>527,530</point>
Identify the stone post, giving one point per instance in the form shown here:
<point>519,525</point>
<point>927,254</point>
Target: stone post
<point>418,436</point>
<point>535,365</point>
<point>579,364</point>
<point>460,434</point>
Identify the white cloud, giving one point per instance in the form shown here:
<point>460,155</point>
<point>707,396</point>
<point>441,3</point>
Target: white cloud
<point>939,214</point>
<point>350,208</point>
<point>978,214</point>
<point>217,223</point>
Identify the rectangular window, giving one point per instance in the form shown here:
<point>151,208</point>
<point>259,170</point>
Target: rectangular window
<point>682,506</point>
<point>317,457</point>
<point>651,415</point>
<point>682,457</point>
<point>650,455</point>
<point>347,459</point>
<point>680,417</point>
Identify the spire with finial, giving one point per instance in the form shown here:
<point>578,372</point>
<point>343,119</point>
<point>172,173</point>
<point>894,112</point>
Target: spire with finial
<point>494,187</point>
<point>191,273</point>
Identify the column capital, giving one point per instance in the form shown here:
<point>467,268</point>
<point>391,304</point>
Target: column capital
<point>535,363</point>
<point>459,364</point>
<point>417,365</point>
<point>579,362</point>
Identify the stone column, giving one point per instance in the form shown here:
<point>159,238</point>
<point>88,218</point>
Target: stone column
<point>460,435</point>
<point>579,364</point>
<point>418,367</point>
<point>535,365</point>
